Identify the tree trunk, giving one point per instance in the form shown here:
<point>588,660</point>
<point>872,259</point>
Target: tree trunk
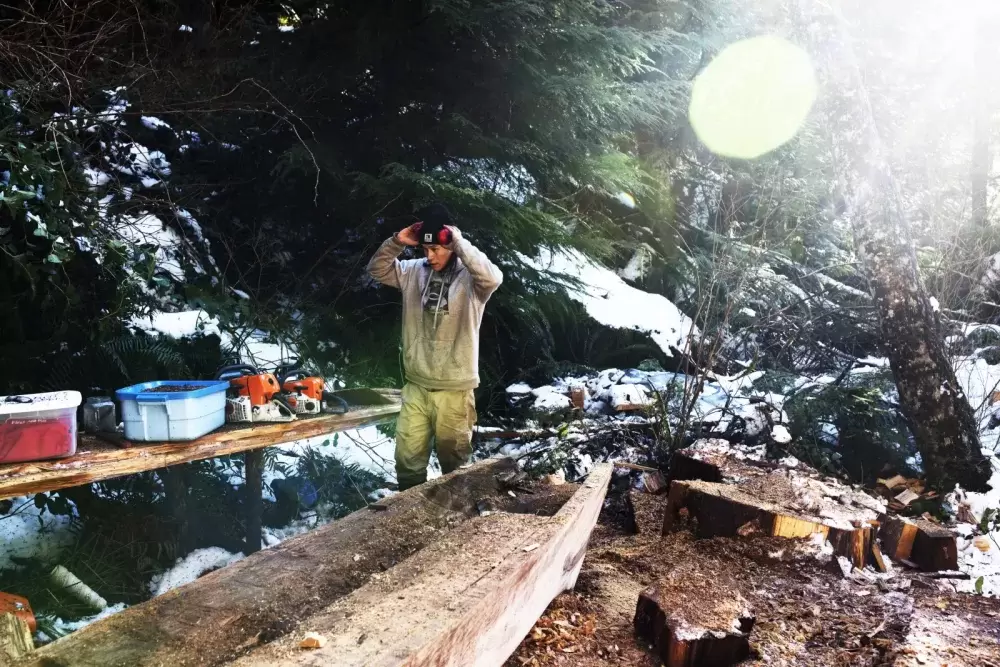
<point>943,422</point>
<point>981,125</point>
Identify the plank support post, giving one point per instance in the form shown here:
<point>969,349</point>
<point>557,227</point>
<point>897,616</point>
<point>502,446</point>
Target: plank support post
<point>254,468</point>
<point>176,490</point>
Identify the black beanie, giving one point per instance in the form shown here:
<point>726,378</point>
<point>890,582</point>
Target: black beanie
<point>435,217</point>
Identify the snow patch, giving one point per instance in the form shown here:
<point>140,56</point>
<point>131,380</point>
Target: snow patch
<point>28,532</point>
<point>614,303</point>
<point>154,123</point>
<point>178,325</point>
<point>67,627</point>
<point>780,434</point>
<point>552,401</point>
<point>191,567</point>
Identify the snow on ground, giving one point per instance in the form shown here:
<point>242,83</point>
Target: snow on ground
<point>979,380</point>
<point>28,532</point>
<point>979,554</point>
<point>614,303</point>
<point>274,536</point>
<point>190,567</point>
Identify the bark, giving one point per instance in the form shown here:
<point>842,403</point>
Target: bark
<point>942,421</point>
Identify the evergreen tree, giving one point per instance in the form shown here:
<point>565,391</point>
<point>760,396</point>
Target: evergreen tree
<point>519,115</point>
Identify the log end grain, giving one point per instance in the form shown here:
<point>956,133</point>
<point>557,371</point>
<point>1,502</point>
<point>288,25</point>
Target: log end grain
<point>931,547</point>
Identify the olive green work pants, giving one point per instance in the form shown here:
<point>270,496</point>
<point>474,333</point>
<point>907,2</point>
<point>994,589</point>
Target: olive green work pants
<point>445,416</point>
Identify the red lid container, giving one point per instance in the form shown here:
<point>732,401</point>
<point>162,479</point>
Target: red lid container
<point>35,427</point>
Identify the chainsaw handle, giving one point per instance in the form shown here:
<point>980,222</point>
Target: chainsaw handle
<point>237,369</point>
<point>288,371</point>
<point>342,407</point>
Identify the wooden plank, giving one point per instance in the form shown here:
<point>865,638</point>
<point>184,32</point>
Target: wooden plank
<point>15,639</point>
<point>466,601</point>
<point>630,398</point>
<point>653,482</point>
<point>935,548</point>
<point>878,558</point>
<point>97,460</point>
<point>686,465</point>
<point>264,596</point>
<point>897,536</point>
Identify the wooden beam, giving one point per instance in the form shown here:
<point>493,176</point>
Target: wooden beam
<point>465,601</point>
<point>253,465</point>
<point>97,460</point>
<point>227,612</point>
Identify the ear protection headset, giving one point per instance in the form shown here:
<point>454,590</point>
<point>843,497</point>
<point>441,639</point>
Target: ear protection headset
<point>440,236</point>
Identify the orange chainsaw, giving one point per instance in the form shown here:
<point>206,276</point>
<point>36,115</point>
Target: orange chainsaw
<point>254,396</point>
<point>308,392</point>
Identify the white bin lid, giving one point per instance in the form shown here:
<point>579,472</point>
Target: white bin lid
<point>57,400</point>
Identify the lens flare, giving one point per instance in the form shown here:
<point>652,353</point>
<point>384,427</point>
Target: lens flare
<point>753,97</point>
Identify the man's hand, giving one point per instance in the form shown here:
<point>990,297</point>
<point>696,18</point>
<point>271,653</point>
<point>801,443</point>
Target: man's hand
<point>455,235</point>
<point>409,235</point>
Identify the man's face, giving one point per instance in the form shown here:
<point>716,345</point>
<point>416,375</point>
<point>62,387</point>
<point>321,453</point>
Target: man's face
<point>437,256</point>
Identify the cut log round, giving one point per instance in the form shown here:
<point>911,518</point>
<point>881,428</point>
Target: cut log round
<point>721,510</point>
<point>931,547</point>
<point>661,619</point>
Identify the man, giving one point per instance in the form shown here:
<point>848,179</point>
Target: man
<point>444,297</point>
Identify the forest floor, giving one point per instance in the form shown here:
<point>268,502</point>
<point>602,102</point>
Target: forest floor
<point>807,612</point>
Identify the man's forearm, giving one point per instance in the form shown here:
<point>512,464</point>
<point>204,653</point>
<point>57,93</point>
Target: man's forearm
<point>384,265</point>
<point>485,274</point>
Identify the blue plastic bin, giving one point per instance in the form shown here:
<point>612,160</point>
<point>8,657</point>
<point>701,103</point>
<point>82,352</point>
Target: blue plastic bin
<point>173,415</point>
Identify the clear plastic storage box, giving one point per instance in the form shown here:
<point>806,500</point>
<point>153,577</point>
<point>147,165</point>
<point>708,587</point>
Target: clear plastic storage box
<point>173,409</point>
<point>34,427</point>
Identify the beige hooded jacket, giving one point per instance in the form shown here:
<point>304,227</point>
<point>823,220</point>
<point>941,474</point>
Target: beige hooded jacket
<point>441,313</point>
